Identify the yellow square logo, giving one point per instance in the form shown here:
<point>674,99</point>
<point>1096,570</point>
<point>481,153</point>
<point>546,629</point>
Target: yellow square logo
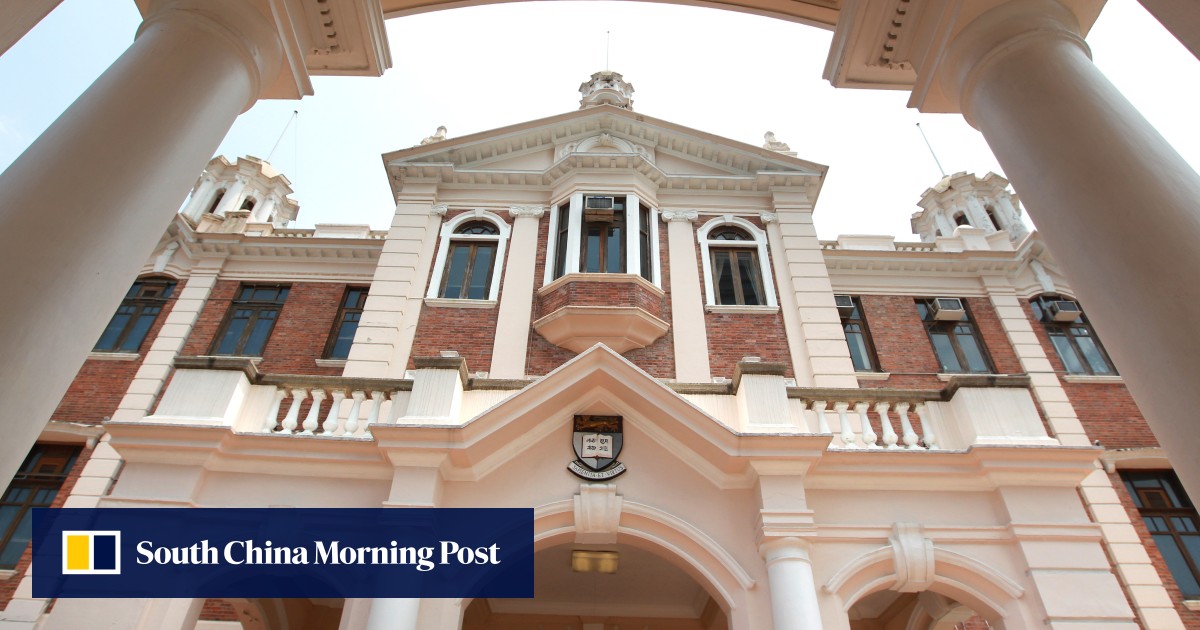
<point>91,553</point>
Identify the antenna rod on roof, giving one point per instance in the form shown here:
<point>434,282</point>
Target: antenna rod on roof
<point>936,161</point>
<point>295,113</point>
<point>607,47</point>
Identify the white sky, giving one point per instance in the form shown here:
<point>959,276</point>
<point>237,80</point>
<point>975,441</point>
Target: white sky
<point>475,69</point>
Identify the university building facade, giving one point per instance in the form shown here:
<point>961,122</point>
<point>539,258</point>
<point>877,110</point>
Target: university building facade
<point>797,433</point>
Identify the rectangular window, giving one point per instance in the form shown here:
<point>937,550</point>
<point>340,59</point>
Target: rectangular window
<point>35,485</point>
<point>346,323</point>
<point>736,276</point>
<point>250,320</point>
<point>1172,521</point>
<point>468,270</point>
<point>957,344</point>
<point>602,246</point>
<point>129,325</point>
<point>644,248</point>
<point>1074,341</point>
<point>858,338</point>
<point>560,242</point>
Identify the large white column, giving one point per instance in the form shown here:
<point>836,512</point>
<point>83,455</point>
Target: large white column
<point>131,146</point>
<point>1116,204</point>
<point>511,345</point>
<point>393,614</point>
<point>688,328</point>
<point>793,589</point>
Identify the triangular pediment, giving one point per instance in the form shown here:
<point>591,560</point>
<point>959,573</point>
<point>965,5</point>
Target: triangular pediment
<point>539,151</point>
<point>597,381</point>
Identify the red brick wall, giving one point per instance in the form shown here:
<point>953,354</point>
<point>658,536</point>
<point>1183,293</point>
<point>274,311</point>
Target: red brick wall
<point>1106,410</point>
<point>9,586</point>
<point>300,333</point>
<point>218,610</point>
<point>1191,619</point>
<point>657,359</point>
<point>903,347</point>
<point>100,384</point>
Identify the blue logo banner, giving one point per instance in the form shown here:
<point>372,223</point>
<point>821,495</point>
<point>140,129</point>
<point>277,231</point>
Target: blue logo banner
<point>283,552</point>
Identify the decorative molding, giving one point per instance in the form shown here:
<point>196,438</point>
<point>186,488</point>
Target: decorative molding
<point>535,212</point>
<point>164,258</point>
<point>913,555</point>
<point>439,209</point>
<point>688,216</point>
<point>597,514</point>
<point>769,217</point>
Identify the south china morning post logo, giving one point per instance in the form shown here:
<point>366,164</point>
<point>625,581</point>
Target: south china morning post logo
<point>294,552</point>
<point>91,552</point>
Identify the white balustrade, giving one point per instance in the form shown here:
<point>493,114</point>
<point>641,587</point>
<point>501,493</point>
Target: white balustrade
<point>848,439</point>
<point>909,436</point>
<point>930,439</point>
<point>314,412</point>
<point>869,437</point>
<point>848,435</point>
<point>355,408</point>
<point>293,412</point>
<point>885,424</point>
<point>273,414</point>
<point>822,422</point>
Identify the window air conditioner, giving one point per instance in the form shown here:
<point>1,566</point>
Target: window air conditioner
<point>845,304</point>
<point>598,203</point>
<point>948,309</point>
<point>1065,311</point>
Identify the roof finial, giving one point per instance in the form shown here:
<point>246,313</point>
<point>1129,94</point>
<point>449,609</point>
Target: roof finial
<point>606,88</point>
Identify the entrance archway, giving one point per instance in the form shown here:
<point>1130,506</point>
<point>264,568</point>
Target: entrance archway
<point>643,590</point>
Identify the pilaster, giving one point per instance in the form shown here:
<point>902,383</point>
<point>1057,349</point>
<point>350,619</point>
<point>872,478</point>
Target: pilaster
<point>690,333</point>
<point>511,344</point>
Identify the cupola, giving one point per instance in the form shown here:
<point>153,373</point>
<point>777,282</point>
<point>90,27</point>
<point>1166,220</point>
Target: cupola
<point>963,200</point>
<point>606,88</point>
<point>230,195</point>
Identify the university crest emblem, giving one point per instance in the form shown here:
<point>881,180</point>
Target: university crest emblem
<point>597,441</point>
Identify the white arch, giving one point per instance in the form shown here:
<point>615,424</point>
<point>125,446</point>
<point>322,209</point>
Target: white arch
<point>447,233</point>
<point>760,243</point>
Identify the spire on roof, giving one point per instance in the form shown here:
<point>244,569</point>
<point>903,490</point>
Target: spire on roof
<point>606,88</point>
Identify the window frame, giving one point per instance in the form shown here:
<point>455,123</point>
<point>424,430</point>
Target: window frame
<point>1039,305</point>
<point>871,356</point>
<point>565,247</point>
<point>447,237</point>
<point>758,244</point>
<point>35,481</point>
<point>139,302</point>
<point>1175,493</point>
<point>258,307</point>
<point>338,321</point>
<point>949,327</point>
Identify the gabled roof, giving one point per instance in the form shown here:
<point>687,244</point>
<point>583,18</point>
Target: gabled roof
<point>537,152</point>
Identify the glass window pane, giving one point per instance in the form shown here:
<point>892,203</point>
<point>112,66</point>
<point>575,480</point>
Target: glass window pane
<point>16,495</point>
<point>108,339</point>
<point>614,264</point>
<point>137,334</point>
<point>748,270</point>
<point>723,278</point>
<point>1191,546</point>
<point>260,333</point>
<point>12,551</point>
<point>858,351</point>
<point>945,352</point>
<point>7,514</point>
<point>233,333</point>
<point>456,270</point>
<point>479,272</point>
<point>592,264</point>
<point>1066,352</point>
<point>345,337</point>
<point>1094,357</point>
<point>44,497</point>
<point>1183,524</point>
<point>970,349</point>
<point>1180,570</point>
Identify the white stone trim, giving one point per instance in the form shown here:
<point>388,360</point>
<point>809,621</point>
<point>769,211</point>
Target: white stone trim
<point>760,241</point>
<point>458,303</point>
<point>735,308</point>
<point>447,235</point>
<point>873,376</point>
<point>1091,378</point>
<point>114,356</point>
<point>331,363</point>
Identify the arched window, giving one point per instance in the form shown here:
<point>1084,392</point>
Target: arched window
<point>736,273</point>
<point>960,218</point>
<point>993,217</point>
<point>470,257</point>
<point>129,325</point>
<point>212,207</point>
<point>1072,336</point>
<point>248,204</point>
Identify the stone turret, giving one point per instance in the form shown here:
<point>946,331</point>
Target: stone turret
<point>230,195</point>
<point>963,200</point>
<point>606,88</point>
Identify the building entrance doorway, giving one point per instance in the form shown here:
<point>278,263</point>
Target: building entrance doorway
<point>602,587</point>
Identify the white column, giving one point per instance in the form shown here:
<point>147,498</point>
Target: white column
<point>793,589</point>
<point>393,614</point>
<point>70,252</point>
<point>200,197</point>
<point>233,197</point>
<point>688,329</point>
<point>511,345</point>
<point>633,235</point>
<point>263,210</point>
<point>1115,203</point>
<point>575,223</point>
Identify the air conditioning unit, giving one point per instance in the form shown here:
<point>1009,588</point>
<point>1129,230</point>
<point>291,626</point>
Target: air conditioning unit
<point>1065,311</point>
<point>598,203</point>
<point>948,309</point>
<point>845,304</point>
